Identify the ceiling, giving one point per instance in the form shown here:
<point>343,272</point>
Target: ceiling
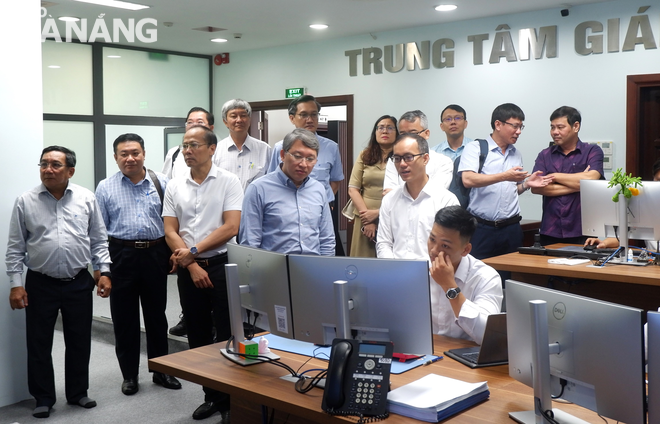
<point>271,23</point>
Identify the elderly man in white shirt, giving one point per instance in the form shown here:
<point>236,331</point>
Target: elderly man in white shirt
<point>464,290</point>
<point>241,154</point>
<point>406,214</point>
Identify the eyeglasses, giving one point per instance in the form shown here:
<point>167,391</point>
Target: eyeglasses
<point>198,122</point>
<point>413,132</point>
<point>449,119</point>
<point>383,128</point>
<point>405,158</point>
<point>193,146</point>
<point>306,116</point>
<point>297,158</point>
<point>515,126</point>
<point>54,165</point>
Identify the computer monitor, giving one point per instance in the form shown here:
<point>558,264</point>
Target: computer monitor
<point>600,215</point>
<point>267,279</point>
<point>598,350</point>
<point>391,300</point>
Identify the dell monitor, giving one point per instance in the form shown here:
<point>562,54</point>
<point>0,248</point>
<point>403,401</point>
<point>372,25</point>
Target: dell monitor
<point>264,281</point>
<point>390,300</point>
<point>593,348</point>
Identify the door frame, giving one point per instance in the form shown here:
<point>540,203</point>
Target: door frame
<point>634,85</point>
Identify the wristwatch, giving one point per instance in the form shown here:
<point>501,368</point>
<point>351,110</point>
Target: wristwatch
<point>453,293</point>
<point>193,250</point>
<point>106,274</point>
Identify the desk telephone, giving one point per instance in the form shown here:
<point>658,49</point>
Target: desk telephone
<point>358,378</point>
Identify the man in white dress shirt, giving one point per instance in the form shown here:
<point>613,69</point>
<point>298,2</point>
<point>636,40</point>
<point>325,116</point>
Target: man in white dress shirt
<point>175,165</point>
<point>464,290</point>
<point>439,166</point>
<point>242,155</point>
<point>406,214</point>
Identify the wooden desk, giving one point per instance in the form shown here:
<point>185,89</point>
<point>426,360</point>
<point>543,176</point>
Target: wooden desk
<point>257,385</point>
<point>627,285</point>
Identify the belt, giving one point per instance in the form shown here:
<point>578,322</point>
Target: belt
<point>213,260</point>
<point>138,244</point>
<point>501,223</point>
<point>64,280</point>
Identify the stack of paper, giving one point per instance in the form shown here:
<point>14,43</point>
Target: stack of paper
<point>434,398</point>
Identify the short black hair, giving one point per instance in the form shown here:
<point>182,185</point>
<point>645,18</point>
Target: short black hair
<point>457,218</point>
<point>422,144</point>
<point>506,111</point>
<point>572,115</point>
<point>127,137</point>
<point>209,136</point>
<point>70,154</point>
<point>293,106</point>
<point>209,116</point>
<point>457,108</point>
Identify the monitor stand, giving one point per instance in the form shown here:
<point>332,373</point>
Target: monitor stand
<point>541,351</point>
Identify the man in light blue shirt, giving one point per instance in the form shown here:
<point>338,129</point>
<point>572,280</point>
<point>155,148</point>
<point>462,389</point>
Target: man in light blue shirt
<point>130,203</point>
<point>286,211</point>
<point>453,121</point>
<point>495,191</point>
<point>304,113</point>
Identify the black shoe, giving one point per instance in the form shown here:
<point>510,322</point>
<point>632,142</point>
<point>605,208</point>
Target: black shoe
<point>85,402</point>
<point>41,412</point>
<point>225,418</point>
<point>180,329</point>
<point>166,381</point>
<point>205,410</point>
<point>130,386</point>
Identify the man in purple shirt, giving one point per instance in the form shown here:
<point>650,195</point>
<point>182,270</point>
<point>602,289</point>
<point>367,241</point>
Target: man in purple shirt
<point>569,160</point>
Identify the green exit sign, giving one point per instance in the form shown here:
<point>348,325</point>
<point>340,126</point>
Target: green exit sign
<point>292,93</point>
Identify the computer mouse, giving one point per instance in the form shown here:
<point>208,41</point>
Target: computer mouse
<point>590,247</point>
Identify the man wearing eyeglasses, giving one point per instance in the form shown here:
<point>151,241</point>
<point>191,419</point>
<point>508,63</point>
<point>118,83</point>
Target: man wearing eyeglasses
<point>569,160</point>
<point>57,230</point>
<point>175,164</point>
<point>439,166</point>
<point>304,113</point>
<point>407,213</point>
<point>494,194</point>
<point>453,121</point>
<point>287,211</point>
<point>201,213</point>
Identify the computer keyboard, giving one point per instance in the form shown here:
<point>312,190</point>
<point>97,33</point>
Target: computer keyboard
<point>471,357</point>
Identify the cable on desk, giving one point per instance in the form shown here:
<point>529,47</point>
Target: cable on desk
<point>260,358</point>
<point>361,419</point>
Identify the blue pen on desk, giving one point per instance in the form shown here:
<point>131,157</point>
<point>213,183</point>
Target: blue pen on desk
<point>433,360</point>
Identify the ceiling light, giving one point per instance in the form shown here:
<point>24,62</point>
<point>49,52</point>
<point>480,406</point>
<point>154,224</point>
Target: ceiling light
<point>318,26</point>
<point>54,67</point>
<point>68,18</point>
<point>116,3</point>
<point>113,56</point>
<point>219,40</point>
<point>446,7</point>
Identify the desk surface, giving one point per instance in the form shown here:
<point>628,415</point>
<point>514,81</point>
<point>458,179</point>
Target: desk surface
<point>537,264</point>
<point>261,384</point>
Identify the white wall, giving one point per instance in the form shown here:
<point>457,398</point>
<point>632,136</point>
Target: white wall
<point>21,139</point>
<point>595,84</point>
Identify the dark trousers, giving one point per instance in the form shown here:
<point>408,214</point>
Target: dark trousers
<point>334,212</point>
<point>47,296</point>
<point>139,276</point>
<point>489,241</point>
<point>202,308</point>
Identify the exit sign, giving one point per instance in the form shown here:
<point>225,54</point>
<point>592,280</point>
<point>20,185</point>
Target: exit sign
<point>292,93</point>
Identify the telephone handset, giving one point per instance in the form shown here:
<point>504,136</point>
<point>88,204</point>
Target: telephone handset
<point>358,378</point>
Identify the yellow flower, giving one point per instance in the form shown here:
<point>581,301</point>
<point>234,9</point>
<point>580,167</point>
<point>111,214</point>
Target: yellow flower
<point>634,191</point>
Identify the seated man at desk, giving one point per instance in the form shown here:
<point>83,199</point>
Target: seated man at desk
<point>464,290</point>
<point>611,242</point>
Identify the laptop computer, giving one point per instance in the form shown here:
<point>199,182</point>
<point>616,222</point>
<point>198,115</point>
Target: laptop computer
<point>493,350</point>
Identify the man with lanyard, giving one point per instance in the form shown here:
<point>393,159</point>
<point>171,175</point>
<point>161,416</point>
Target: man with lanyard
<point>56,229</point>
<point>131,205</point>
<point>202,213</point>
